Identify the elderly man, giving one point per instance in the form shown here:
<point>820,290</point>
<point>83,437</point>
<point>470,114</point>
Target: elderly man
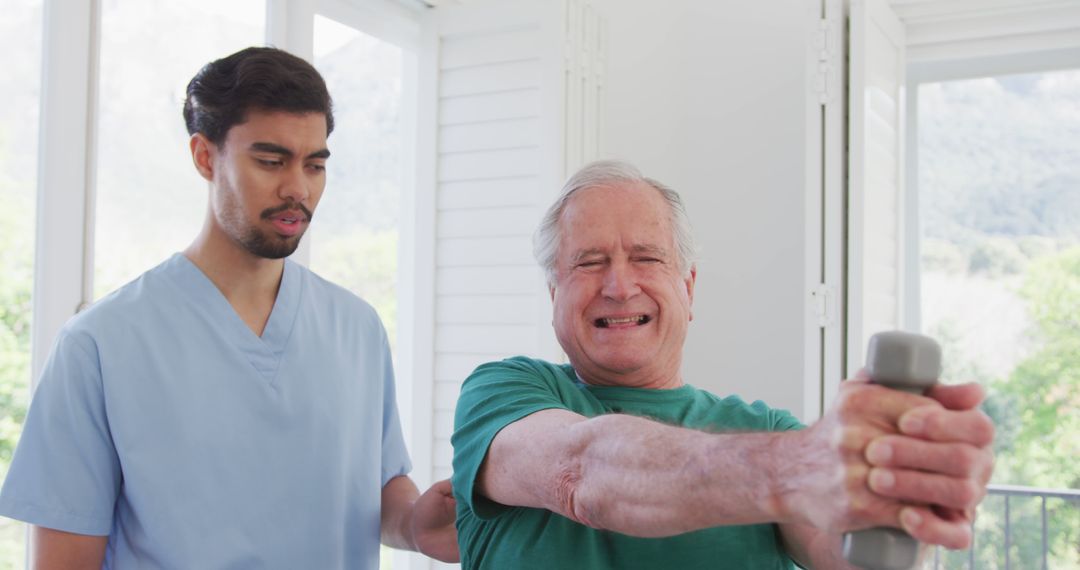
<point>613,461</point>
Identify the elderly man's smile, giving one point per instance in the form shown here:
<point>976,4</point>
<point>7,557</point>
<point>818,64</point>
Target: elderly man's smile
<point>622,322</point>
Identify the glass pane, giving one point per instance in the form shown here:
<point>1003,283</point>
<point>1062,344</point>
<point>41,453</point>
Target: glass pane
<point>150,201</point>
<point>20,41</point>
<point>354,240</point>
<point>999,191</point>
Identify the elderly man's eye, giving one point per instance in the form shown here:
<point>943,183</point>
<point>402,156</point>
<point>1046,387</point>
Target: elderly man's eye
<point>588,264</point>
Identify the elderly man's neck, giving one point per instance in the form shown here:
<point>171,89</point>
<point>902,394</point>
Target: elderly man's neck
<point>644,379</point>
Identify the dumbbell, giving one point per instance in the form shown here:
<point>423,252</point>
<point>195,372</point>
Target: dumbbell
<point>912,363</point>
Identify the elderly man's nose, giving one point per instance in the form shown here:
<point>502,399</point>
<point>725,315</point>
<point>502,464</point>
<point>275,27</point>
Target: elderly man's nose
<point>620,282</point>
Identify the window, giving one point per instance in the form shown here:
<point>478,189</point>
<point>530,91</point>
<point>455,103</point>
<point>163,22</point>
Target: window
<point>150,200</point>
<point>20,40</point>
<point>354,243</point>
<point>19,86</point>
<point>999,206</point>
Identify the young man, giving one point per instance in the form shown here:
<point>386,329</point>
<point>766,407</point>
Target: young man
<point>228,408</point>
<point>613,461</point>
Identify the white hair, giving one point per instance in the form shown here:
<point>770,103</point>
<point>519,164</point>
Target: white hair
<point>609,173</point>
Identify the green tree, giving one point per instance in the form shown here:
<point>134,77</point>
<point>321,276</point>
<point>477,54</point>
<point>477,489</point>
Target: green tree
<point>365,262</point>
<point>996,256</point>
<point>1045,387</point>
<point>1038,412</point>
<point>1046,391</point>
<point>16,285</point>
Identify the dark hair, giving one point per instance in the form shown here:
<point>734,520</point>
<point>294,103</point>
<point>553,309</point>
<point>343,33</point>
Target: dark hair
<point>223,91</point>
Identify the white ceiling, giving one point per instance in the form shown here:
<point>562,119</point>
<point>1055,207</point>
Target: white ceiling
<point>939,10</point>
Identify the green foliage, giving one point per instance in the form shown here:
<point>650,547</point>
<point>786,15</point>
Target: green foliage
<point>943,257</point>
<point>1044,389</point>
<point>1025,535</point>
<point>1000,160</point>
<point>986,255</point>
<point>1036,411</point>
<point>1039,407</point>
<point>16,285</point>
<point>996,256</point>
<point>364,262</point>
<point>948,335</point>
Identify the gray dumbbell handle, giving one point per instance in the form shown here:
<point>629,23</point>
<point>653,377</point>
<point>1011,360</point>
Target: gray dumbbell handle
<point>902,361</point>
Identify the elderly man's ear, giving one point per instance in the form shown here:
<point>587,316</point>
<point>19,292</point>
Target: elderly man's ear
<point>690,280</point>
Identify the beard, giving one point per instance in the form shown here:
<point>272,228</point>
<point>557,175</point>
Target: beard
<point>266,246</point>
<point>257,241</point>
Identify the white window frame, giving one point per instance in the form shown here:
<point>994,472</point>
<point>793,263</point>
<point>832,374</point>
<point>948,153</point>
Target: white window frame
<point>63,258</point>
<point>1059,57</point>
<point>400,25</point>
<point>395,23</point>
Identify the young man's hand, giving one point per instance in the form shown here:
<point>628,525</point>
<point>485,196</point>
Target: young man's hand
<point>433,523</point>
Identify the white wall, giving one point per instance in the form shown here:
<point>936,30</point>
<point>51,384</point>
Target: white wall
<point>492,170</point>
<point>709,97</point>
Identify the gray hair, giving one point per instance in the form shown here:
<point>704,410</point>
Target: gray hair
<point>608,173</point>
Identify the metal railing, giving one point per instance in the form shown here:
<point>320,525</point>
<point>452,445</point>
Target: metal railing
<point>1007,493</point>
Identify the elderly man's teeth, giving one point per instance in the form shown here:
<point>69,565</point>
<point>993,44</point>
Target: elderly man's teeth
<point>607,322</point>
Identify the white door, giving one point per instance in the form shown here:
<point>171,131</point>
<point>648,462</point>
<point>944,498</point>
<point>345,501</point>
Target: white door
<point>876,175</point>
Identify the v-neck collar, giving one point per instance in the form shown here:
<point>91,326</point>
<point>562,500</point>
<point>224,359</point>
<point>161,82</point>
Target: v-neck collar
<point>263,352</point>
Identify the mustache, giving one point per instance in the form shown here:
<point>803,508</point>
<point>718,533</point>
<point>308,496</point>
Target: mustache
<point>290,205</point>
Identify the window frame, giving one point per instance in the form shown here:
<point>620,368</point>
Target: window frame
<point>65,195</point>
<point>1059,58</point>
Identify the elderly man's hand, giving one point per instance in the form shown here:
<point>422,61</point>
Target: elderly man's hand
<point>882,457</point>
<point>938,445</point>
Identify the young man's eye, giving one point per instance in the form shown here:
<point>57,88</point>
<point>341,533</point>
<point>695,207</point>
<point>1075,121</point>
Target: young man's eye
<point>317,167</point>
<point>269,163</point>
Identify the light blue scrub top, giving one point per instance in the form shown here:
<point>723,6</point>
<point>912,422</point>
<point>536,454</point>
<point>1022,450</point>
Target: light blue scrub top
<point>164,422</point>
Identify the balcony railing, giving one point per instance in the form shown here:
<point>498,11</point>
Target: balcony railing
<point>1009,495</point>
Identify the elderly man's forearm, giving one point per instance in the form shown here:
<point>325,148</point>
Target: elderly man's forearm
<point>644,478</point>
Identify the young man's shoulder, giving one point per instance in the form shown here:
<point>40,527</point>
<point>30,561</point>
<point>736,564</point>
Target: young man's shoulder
<point>125,303</point>
<point>333,297</point>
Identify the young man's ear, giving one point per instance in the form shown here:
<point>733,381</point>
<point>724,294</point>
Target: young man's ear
<point>202,154</point>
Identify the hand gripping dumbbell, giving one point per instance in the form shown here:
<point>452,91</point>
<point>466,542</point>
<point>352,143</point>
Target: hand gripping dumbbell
<point>912,363</point>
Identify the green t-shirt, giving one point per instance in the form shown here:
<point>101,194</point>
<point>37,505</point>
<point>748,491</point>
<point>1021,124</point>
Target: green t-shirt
<point>498,537</point>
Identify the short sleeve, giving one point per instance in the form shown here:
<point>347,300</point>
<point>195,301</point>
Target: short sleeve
<point>782,420</point>
<point>494,396</point>
<point>65,474</point>
<point>395,456</point>
<point>766,418</point>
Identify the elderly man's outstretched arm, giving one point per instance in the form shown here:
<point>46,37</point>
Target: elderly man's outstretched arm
<point>648,479</point>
